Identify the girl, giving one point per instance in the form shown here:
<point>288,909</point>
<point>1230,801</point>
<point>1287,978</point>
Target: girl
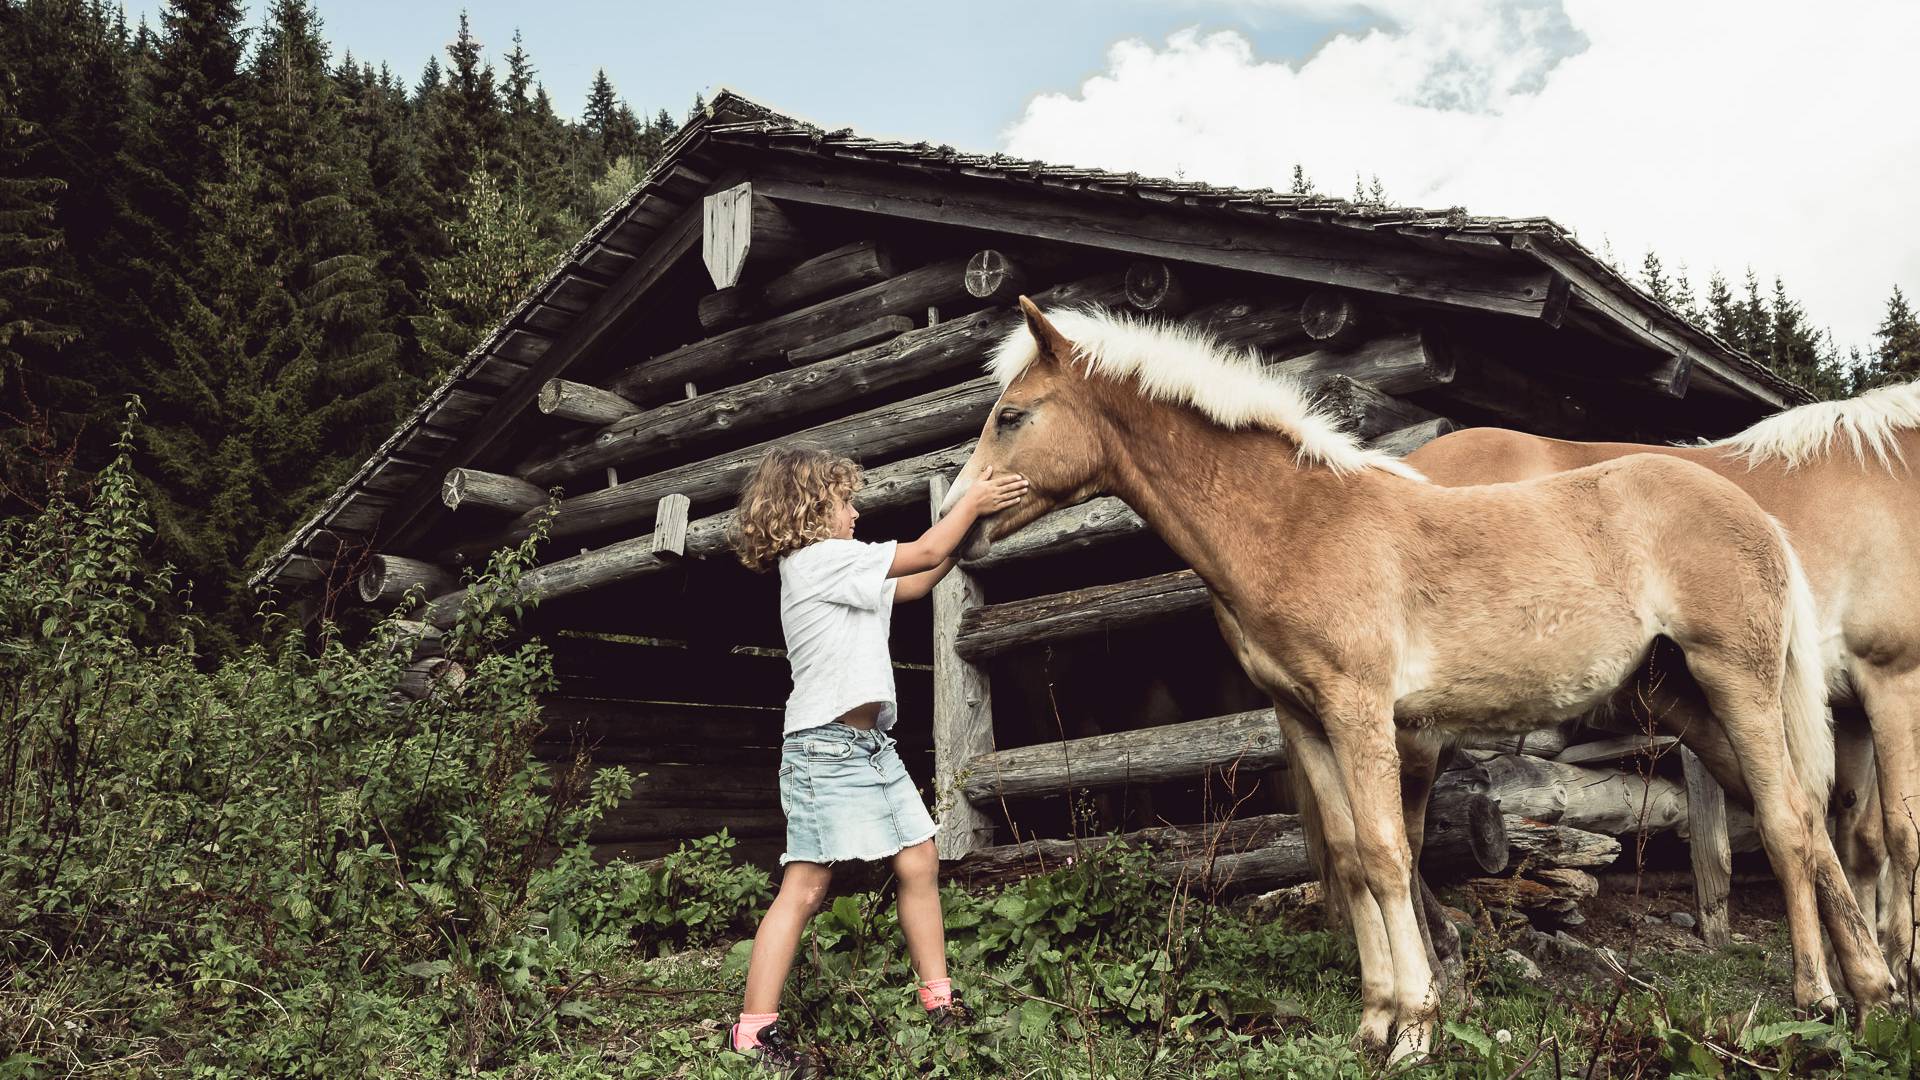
<point>842,786</point>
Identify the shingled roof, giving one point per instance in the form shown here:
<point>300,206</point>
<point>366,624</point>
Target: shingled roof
<point>678,180</point>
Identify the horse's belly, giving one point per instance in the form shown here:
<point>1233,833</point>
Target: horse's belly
<point>1521,689</point>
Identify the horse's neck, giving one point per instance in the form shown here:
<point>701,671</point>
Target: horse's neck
<point>1223,500</point>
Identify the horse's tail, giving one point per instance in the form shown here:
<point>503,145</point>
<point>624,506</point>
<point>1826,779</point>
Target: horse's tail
<point>1803,690</point>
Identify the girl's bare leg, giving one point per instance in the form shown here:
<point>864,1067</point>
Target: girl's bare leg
<point>802,888</point>
<point>918,870</point>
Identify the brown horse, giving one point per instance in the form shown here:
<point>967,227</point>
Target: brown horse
<point>1837,476</point>
<point>1367,600</point>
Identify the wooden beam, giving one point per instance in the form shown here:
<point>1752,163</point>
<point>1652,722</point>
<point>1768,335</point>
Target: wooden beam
<point>992,629</point>
<point>489,491</point>
<point>723,358</point>
<point>1363,410</point>
<point>884,328</point>
<point>570,400</point>
<point>1400,363</point>
<point>1249,741</point>
<point>1613,750</point>
<point>1102,520</point>
<point>1270,325</point>
<point>993,277</point>
<point>962,706</point>
<point>948,347</point>
<point>407,520</point>
<point>849,266</point>
<point>1253,852</point>
<point>1154,288</point>
<point>1237,241</point>
<point>1654,331</point>
<point>388,577</point>
<point>1518,397</point>
<point>741,227</point>
<point>1333,317</point>
<point>1711,852</point>
<point>929,419</point>
<point>886,487</point>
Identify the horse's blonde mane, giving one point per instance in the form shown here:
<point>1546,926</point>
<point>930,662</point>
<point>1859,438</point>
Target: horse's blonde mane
<point>1183,365</point>
<point>1868,423</point>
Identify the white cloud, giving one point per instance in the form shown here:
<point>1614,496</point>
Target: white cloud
<point>1722,133</point>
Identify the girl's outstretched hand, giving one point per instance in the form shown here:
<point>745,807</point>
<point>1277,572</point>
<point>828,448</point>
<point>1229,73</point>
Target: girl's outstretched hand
<point>993,494</point>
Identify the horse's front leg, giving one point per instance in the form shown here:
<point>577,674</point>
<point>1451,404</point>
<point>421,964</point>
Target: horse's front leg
<point>1358,720</point>
<point>1311,757</point>
<point>1420,764</point>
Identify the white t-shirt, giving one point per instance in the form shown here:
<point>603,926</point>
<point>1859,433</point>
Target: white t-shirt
<point>836,604</point>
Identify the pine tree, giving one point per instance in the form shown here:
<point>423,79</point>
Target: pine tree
<point>1897,351</point>
<point>322,246</point>
<point>465,129</point>
<point>430,82</point>
<point>1723,317</point>
<point>1682,299</point>
<point>1653,278</point>
<point>30,334</point>
<point>498,256</point>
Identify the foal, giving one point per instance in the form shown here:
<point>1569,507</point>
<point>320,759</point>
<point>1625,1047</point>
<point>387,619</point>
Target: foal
<point>1838,477</point>
<point>1365,599</point>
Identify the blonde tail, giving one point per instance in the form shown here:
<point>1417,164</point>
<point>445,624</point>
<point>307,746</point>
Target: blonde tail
<point>1803,691</point>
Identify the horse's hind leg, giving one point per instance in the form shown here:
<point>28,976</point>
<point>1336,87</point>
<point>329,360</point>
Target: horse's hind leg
<point>1893,705</point>
<point>1795,837</point>
<point>1859,833</point>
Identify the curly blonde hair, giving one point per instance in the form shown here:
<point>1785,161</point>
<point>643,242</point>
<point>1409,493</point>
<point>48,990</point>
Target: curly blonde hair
<point>787,503</point>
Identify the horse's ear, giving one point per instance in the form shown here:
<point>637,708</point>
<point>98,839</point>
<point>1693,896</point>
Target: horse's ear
<point>1053,344</point>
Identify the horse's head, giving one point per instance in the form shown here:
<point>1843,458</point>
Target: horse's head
<point>1041,428</point>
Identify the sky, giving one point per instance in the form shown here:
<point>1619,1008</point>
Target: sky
<point>1724,134</point>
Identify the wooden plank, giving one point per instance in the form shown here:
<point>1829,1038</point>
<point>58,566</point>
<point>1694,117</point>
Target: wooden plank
<point>670,526</point>
<point>1359,408</point>
<point>743,228</point>
<point>1248,741</point>
<point>1269,325</point>
<point>1711,852</point>
<point>889,486</point>
<point>962,707</point>
<point>884,328</point>
<point>951,346</point>
<point>1517,396</point>
<point>1234,241</point>
<point>931,418</point>
<point>723,358</point>
<point>992,629</point>
<point>410,517</point>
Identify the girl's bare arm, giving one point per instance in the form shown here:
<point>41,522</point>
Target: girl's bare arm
<point>933,552</point>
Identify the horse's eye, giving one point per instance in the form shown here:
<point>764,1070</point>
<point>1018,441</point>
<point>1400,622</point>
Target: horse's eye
<point>1011,417</point>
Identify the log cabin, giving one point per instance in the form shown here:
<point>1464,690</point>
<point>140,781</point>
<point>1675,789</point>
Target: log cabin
<point>771,280</point>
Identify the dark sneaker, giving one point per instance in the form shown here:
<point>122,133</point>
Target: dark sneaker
<point>778,1055</point>
<point>954,1014</point>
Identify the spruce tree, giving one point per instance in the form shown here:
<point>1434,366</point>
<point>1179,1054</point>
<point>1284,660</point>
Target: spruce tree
<point>465,130</point>
<point>1653,278</point>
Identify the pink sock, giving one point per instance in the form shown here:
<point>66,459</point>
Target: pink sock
<point>746,1033</point>
<point>936,993</point>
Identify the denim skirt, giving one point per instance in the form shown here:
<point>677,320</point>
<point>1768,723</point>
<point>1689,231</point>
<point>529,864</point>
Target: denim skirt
<point>847,795</point>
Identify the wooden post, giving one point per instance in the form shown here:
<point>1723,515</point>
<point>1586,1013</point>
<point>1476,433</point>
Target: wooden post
<point>962,707</point>
<point>1712,855</point>
<point>670,525</point>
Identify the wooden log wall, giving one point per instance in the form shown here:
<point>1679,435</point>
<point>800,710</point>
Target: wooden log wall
<point>872,347</point>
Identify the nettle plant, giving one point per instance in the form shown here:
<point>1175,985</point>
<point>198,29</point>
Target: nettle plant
<point>254,864</point>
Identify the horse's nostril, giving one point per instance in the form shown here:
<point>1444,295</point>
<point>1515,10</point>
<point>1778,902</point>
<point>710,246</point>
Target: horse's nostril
<point>1847,800</point>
